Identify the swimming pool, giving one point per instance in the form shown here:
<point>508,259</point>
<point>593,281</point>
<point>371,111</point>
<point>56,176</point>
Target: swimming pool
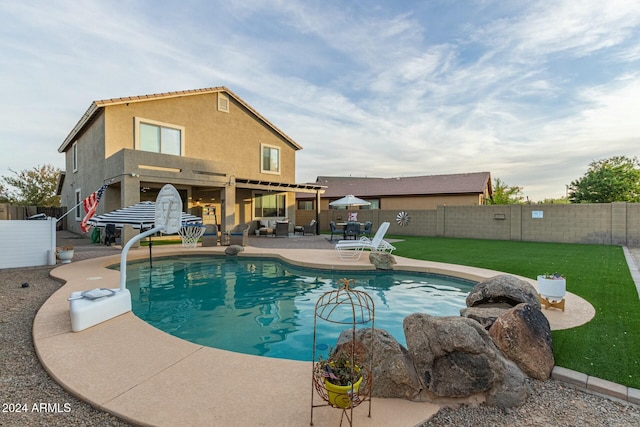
<point>265,307</point>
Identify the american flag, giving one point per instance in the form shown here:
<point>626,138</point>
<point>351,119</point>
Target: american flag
<point>90,205</point>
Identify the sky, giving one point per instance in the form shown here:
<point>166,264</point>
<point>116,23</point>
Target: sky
<point>531,91</point>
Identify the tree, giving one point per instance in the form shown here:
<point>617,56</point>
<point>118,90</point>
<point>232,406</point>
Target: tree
<point>616,179</point>
<point>554,201</point>
<point>32,187</point>
<point>504,194</point>
<point>4,198</point>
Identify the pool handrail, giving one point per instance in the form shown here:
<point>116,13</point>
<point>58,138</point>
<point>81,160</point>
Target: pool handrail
<point>125,251</point>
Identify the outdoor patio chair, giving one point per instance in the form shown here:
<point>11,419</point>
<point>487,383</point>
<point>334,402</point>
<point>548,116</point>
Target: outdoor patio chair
<point>282,229</point>
<point>335,230</point>
<point>352,230</point>
<point>311,228</point>
<point>210,236</point>
<point>239,235</point>
<point>352,250</point>
<point>266,227</point>
<point>366,231</point>
<point>110,234</point>
<point>306,229</point>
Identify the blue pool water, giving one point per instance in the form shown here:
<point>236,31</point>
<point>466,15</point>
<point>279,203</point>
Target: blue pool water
<point>265,307</point>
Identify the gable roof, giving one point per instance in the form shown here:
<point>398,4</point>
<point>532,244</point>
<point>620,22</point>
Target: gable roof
<point>97,106</point>
<point>462,183</point>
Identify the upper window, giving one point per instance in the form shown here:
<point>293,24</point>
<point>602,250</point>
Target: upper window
<point>270,159</point>
<point>159,137</point>
<point>74,156</point>
<point>78,205</point>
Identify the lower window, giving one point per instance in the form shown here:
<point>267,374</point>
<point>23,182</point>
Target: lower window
<point>270,205</point>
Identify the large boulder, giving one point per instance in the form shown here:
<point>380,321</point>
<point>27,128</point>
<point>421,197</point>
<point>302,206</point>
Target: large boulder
<point>503,291</point>
<point>382,260</point>
<point>394,375</point>
<point>455,357</point>
<point>524,336</point>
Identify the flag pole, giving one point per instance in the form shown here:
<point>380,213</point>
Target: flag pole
<point>69,211</point>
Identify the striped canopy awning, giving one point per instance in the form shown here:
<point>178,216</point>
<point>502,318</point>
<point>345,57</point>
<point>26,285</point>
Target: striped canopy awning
<point>139,216</point>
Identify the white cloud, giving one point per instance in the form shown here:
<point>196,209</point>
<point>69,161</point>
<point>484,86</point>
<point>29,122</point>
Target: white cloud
<point>410,88</point>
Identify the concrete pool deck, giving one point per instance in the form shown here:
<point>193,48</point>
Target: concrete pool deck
<point>146,377</point>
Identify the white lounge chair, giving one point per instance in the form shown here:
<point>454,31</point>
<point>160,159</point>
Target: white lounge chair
<point>352,249</point>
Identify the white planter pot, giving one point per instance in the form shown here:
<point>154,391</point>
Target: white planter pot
<point>553,289</point>
<point>65,256</point>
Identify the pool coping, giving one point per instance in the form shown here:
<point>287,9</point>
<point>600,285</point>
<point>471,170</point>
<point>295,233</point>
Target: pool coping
<point>147,377</point>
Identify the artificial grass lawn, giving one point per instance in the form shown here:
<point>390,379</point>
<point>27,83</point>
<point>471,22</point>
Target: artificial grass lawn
<point>161,242</point>
<point>607,347</point>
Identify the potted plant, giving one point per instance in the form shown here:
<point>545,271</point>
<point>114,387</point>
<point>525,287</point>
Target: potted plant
<point>65,254</point>
<point>552,289</point>
<point>342,376</point>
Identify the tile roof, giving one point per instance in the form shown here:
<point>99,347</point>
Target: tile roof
<point>462,183</point>
<point>96,106</point>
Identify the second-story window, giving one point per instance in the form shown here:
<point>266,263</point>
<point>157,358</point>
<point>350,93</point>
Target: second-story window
<point>159,137</point>
<point>270,159</point>
<point>74,156</point>
<point>78,200</point>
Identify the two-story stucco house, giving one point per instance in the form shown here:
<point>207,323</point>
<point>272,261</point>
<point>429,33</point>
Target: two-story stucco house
<point>229,163</point>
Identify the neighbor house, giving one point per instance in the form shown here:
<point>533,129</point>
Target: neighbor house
<point>229,163</point>
<point>404,193</point>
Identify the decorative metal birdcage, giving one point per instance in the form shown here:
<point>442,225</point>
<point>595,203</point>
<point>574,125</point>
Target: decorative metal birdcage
<point>351,361</point>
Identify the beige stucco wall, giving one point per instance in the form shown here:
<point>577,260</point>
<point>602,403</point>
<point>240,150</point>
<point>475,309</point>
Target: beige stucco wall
<point>428,202</point>
<point>420,201</point>
<point>209,134</point>
<point>91,170</point>
<point>219,147</point>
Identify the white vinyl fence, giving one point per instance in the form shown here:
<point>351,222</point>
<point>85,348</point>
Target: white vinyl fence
<point>27,243</point>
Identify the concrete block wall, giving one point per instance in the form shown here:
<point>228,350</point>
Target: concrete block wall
<point>583,223</point>
<point>605,224</point>
<point>476,222</point>
<point>633,225</point>
<point>618,223</point>
<point>421,223</point>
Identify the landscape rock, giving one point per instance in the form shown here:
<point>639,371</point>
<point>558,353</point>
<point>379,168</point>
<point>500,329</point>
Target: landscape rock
<point>524,336</point>
<point>503,291</point>
<point>393,371</point>
<point>382,260</point>
<point>512,392</point>
<point>485,316</point>
<point>233,250</point>
<point>455,357</point>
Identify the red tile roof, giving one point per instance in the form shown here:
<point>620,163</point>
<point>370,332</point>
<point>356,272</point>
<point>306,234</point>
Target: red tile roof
<point>462,183</point>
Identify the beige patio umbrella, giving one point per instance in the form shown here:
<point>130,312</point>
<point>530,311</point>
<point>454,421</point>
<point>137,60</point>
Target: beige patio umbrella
<point>349,201</point>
